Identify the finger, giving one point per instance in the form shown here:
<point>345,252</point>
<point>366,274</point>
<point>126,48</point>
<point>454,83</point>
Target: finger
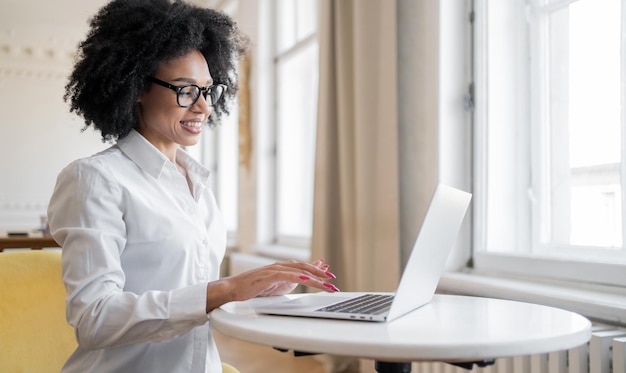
<point>322,285</point>
<point>331,287</point>
<point>309,268</point>
<point>321,265</point>
<point>323,269</point>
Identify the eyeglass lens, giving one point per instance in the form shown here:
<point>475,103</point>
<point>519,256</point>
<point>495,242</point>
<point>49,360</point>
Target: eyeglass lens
<point>188,95</point>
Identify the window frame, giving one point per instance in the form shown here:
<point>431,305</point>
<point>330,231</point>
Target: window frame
<point>271,167</point>
<point>520,260</point>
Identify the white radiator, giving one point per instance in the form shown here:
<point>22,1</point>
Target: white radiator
<point>605,353</point>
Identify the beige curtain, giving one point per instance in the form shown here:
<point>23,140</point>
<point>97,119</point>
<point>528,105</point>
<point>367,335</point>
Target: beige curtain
<point>356,198</point>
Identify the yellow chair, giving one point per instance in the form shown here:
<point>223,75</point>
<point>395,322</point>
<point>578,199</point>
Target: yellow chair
<point>226,368</point>
<point>34,335</point>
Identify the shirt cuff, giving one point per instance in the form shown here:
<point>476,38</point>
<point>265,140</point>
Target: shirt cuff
<point>189,303</point>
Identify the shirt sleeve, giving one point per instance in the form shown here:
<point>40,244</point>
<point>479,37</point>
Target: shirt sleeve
<point>86,218</point>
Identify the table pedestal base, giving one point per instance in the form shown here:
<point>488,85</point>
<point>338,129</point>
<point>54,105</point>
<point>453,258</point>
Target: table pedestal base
<point>384,367</point>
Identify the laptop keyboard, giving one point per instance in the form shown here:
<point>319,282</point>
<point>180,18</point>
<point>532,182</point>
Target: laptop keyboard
<point>369,304</point>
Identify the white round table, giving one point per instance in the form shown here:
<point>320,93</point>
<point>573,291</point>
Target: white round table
<point>449,329</point>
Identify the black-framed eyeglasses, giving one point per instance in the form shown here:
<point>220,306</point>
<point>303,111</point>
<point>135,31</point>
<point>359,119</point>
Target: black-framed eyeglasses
<point>187,95</point>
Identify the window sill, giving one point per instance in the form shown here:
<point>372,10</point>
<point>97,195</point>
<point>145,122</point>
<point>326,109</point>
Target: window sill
<point>598,303</point>
<point>279,252</point>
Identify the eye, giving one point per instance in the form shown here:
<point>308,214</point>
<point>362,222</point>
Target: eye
<point>190,91</point>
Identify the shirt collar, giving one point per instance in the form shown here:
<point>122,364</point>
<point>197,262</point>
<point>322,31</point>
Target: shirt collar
<point>198,174</point>
<point>152,161</point>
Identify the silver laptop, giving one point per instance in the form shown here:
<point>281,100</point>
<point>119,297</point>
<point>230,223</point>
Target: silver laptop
<point>419,280</point>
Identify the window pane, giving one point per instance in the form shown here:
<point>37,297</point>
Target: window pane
<point>297,103</point>
<point>594,89</point>
<point>584,203</point>
<point>286,20</point>
<point>307,18</point>
<point>296,21</point>
<point>549,133</point>
<point>228,169</point>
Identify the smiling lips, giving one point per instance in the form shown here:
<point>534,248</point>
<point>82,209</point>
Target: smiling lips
<point>194,124</point>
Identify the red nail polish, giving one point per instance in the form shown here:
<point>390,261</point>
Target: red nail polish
<point>331,275</point>
<point>325,267</point>
<point>331,286</point>
<point>303,277</point>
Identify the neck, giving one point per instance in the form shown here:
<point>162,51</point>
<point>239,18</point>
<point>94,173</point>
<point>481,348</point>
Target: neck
<point>168,149</point>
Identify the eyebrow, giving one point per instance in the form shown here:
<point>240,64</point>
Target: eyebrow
<point>191,81</point>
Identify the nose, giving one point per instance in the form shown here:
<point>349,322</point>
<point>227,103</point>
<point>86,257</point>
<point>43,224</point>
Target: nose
<point>202,106</point>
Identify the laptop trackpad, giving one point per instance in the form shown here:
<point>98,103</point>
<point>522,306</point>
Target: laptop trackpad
<point>310,301</point>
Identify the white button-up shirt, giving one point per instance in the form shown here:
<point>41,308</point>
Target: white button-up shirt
<point>139,246</point>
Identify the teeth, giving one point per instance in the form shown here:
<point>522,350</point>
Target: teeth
<point>192,124</point>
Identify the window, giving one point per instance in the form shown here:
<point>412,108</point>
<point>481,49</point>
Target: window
<point>549,139</point>
<point>275,204</point>
<point>218,151</point>
<point>296,81</point>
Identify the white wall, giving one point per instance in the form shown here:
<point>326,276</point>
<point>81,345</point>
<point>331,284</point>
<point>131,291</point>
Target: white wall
<point>38,136</point>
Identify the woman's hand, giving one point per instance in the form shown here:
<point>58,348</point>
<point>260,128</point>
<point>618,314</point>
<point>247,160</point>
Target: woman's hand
<point>275,279</point>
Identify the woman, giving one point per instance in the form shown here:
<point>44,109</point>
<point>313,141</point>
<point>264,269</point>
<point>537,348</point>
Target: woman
<point>141,233</point>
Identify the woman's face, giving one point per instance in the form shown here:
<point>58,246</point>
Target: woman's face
<point>161,121</point>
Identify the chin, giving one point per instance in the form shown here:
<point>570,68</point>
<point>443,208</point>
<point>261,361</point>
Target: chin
<point>189,142</point>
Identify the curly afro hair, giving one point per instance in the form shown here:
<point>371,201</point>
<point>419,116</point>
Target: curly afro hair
<point>127,42</point>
